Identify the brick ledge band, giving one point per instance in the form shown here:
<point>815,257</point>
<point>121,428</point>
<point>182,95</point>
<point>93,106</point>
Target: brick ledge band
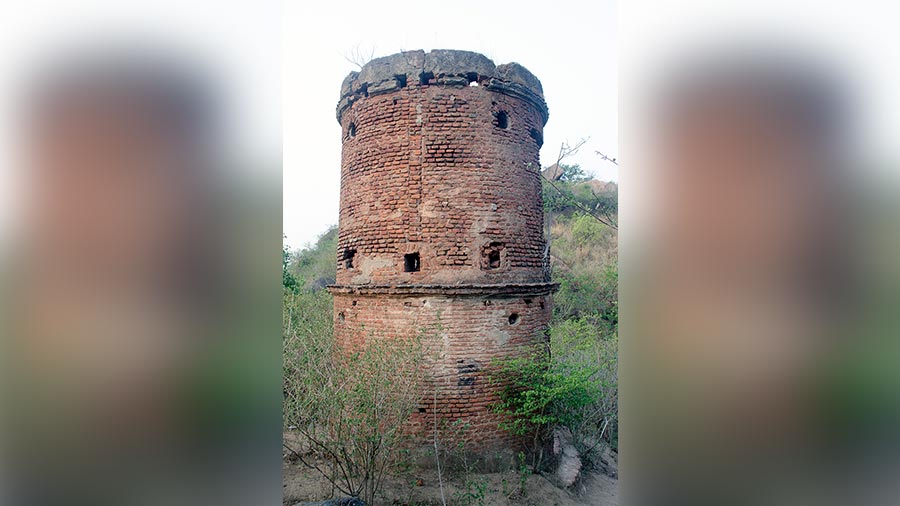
<point>475,290</point>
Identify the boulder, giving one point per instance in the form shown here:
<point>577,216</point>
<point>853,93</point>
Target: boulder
<point>567,460</point>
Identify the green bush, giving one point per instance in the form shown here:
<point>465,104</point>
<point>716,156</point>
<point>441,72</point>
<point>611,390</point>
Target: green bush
<point>582,344</point>
<point>568,382</point>
<point>349,407</point>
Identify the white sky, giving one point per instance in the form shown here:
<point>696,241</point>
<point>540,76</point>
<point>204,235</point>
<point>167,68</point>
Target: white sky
<point>569,45</point>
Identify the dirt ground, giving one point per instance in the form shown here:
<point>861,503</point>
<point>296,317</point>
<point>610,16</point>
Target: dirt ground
<point>420,487</point>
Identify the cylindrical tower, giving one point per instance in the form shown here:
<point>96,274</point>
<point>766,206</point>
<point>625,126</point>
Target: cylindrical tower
<point>441,220</point>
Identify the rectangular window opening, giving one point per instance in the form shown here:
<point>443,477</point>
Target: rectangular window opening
<point>348,258</point>
<point>494,260</point>
<point>411,262</point>
<point>492,256</point>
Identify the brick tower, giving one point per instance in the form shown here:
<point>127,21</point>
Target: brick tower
<point>441,220</point>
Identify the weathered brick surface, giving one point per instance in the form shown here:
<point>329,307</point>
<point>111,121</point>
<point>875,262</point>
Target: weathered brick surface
<point>436,167</point>
<point>466,334</point>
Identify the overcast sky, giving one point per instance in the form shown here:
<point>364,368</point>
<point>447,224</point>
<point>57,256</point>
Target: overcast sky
<point>570,46</point>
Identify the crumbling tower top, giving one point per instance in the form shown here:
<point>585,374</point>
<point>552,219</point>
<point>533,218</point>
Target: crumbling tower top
<point>441,67</point>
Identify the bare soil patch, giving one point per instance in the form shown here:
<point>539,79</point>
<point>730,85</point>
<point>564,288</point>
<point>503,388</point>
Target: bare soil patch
<point>420,487</point>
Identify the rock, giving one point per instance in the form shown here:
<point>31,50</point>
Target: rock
<point>609,463</point>
<point>568,461</point>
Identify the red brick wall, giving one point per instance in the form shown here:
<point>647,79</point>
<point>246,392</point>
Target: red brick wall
<point>464,335</point>
<point>434,166</point>
<point>428,170</point>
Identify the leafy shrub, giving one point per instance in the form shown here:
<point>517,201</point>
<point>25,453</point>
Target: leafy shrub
<point>558,384</point>
<point>581,344</point>
<point>350,408</point>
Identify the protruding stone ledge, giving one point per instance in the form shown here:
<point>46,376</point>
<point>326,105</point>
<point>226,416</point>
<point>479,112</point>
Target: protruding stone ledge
<point>440,67</point>
<point>460,290</point>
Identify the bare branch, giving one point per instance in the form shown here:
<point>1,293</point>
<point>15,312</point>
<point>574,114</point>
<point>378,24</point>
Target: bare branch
<point>566,150</point>
<point>579,206</point>
<point>607,158</point>
<point>358,57</point>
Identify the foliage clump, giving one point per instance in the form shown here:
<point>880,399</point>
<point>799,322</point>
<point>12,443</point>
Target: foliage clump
<point>571,382</point>
<point>349,406</point>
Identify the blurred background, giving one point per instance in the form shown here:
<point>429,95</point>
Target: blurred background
<point>139,253</point>
<point>759,341</point>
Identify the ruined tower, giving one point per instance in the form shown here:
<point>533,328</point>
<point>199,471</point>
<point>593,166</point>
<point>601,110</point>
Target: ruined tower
<point>441,220</point>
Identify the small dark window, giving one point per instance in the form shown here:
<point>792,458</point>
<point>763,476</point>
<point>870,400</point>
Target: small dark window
<point>514,318</point>
<point>341,316</point>
<point>401,80</point>
<point>351,130</point>
<point>411,262</point>
<point>425,77</point>
<point>421,410</point>
<point>502,120</point>
<point>349,254</point>
<point>492,256</point>
<point>494,259</point>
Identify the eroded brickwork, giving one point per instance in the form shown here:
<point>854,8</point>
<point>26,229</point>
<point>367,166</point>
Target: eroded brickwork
<point>467,332</point>
<point>441,221</point>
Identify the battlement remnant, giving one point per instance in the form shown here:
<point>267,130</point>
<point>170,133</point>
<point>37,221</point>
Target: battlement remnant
<point>440,67</point>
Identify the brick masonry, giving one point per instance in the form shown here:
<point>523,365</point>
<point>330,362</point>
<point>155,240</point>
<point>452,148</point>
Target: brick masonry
<point>441,221</point>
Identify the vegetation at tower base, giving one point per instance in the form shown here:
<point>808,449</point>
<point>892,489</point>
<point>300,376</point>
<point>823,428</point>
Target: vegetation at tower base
<point>571,381</point>
<point>349,408</point>
<point>577,388</point>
